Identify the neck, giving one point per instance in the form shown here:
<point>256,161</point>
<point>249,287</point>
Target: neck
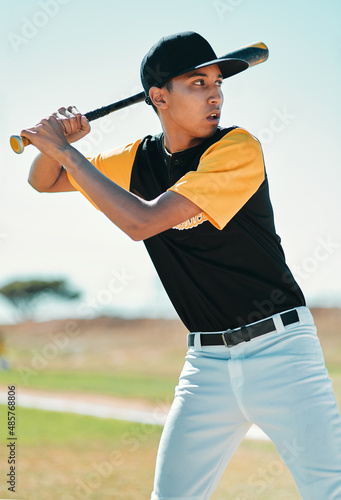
<point>175,143</point>
<point>177,139</point>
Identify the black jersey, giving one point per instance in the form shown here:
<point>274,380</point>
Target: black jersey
<point>225,267</point>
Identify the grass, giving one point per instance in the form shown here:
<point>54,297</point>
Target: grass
<point>72,457</point>
<point>105,356</point>
<point>65,456</point>
<point>133,359</point>
<point>122,384</point>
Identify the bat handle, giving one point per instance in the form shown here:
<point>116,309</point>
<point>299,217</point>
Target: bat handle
<point>18,143</point>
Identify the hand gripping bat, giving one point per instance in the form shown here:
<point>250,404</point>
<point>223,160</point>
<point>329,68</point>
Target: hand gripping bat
<point>254,54</point>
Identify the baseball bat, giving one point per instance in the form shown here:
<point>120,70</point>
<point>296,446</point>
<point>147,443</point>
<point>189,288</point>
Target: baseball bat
<point>254,54</point>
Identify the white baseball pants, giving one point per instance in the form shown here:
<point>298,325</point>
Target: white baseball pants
<point>279,382</point>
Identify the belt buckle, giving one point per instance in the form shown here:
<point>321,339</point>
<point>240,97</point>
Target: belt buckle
<point>224,339</point>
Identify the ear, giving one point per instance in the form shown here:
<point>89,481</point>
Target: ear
<point>157,96</point>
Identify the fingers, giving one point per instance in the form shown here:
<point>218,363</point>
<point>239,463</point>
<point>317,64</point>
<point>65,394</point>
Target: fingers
<point>71,119</point>
<point>49,123</point>
<point>65,125</point>
<point>26,133</point>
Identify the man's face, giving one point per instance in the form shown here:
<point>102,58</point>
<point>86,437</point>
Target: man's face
<point>195,101</point>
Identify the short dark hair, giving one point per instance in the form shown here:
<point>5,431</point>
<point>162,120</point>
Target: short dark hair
<point>169,86</point>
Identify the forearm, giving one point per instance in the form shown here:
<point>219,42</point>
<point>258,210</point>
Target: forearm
<point>44,173</point>
<point>138,218</point>
<point>130,213</point>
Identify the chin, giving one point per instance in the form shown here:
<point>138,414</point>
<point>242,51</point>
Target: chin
<point>200,136</point>
<point>209,131</point>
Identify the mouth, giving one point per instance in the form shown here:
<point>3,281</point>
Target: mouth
<point>214,116</point>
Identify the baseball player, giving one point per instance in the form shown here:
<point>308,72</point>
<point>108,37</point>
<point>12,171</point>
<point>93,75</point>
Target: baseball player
<point>198,196</point>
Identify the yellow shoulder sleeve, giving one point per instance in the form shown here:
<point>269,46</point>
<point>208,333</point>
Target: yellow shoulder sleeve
<point>116,164</point>
<point>229,173</point>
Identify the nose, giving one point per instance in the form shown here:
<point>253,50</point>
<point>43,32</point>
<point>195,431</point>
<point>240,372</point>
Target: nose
<point>216,95</point>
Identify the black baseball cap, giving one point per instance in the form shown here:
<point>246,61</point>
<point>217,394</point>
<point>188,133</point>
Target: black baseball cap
<point>177,54</point>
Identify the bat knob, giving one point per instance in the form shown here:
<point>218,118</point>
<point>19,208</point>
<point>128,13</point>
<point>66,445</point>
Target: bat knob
<point>18,143</point>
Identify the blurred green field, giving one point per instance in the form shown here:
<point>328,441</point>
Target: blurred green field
<point>133,359</point>
<point>122,384</point>
<point>73,457</point>
<point>140,358</point>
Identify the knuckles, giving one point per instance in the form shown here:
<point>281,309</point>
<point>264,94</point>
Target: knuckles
<point>69,109</point>
<point>73,109</point>
<point>49,119</point>
<point>69,118</point>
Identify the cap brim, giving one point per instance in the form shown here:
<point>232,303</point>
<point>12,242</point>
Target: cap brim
<point>228,66</point>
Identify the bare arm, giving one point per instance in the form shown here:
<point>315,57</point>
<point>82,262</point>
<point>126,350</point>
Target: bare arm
<point>138,218</point>
<point>46,174</point>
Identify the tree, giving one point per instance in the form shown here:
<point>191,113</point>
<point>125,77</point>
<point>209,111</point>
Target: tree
<point>24,295</point>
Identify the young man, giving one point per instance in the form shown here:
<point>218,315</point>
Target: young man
<point>198,197</point>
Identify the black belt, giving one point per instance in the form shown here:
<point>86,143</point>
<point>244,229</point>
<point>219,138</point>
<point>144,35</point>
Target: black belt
<point>230,338</point>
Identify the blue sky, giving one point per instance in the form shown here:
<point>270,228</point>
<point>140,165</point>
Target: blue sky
<point>60,52</point>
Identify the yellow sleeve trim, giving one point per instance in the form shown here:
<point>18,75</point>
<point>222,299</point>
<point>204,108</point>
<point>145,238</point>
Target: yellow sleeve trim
<point>229,173</point>
<point>116,164</point>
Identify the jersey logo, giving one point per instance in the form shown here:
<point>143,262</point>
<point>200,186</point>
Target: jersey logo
<point>191,223</point>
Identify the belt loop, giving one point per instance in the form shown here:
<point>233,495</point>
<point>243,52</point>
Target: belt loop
<point>197,341</point>
<point>280,328</point>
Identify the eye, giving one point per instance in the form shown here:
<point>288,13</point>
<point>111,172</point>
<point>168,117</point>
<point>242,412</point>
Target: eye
<point>200,82</point>
<point>219,83</point>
